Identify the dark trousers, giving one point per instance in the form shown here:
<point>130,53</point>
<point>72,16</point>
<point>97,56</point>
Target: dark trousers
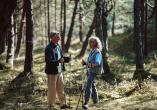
<point>90,89</point>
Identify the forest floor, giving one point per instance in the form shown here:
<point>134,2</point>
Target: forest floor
<point>119,93</point>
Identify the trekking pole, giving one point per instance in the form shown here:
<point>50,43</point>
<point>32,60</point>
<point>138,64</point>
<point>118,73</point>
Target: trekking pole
<point>83,87</point>
<point>69,81</point>
<point>82,90</point>
<point>64,89</point>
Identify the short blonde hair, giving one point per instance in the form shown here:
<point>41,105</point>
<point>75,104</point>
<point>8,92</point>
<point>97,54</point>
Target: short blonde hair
<point>99,44</point>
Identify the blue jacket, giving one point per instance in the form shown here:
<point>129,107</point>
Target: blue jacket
<point>95,57</point>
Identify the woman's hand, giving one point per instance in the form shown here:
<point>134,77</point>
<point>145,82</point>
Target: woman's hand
<point>91,65</point>
<point>61,60</point>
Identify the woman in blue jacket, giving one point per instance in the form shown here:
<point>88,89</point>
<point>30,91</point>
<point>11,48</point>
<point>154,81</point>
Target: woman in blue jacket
<point>94,66</point>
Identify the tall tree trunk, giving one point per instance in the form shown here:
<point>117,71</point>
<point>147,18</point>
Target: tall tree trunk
<point>143,26</point>
<point>113,19</point>
<point>81,21</point>
<point>105,43</point>
<point>42,23</point>
<point>6,10</point>
<point>55,15</point>
<point>138,38</point>
<point>48,19</point>
<point>15,16</point>
<point>10,51</point>
<point>28,66</point>
<point>67,46</point>
<point>156,20</point>
<point>19,37</point>
<point>101,32</point>
<point>2,42</point>
<point>64,25</point>
<point>61,17</point>
<point>145,29</point>
<point>2,37</point>
<point>46,35</point>
<point>61,24</point>
<point>85,43</point>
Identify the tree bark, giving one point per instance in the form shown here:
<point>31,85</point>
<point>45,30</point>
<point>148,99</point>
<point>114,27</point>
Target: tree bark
<point>81,21</point>
<point>6,9</point>
<point>113,19</point>
<point>48,19</point>
<point>101,32</point>
<point>105,42</point>
<point>156,20</point>
<point>145,31</point>
<point>20,33</point>
<point>64,25</point>
<point>10,51</point>
<point>143,26</point>
<point>2,42</point>
<point>45,13</point>
<point>28,66</point>
<point>61,24</point>
<point>138,38</point>
<point>67,45</point>
<point>55,15</point>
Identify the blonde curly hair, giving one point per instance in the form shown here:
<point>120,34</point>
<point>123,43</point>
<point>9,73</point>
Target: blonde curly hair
<point>99,44</point>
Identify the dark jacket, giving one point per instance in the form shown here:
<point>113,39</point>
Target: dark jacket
<point>51,62</point>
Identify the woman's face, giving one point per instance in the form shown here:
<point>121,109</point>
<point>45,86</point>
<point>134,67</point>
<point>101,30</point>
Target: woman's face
<point>92,43</point>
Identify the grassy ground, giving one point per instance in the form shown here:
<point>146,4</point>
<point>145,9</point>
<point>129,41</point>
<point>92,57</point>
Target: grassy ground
<point>29,93</point>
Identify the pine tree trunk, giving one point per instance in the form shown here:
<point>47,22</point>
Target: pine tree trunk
<point>10,51</point>
<point>113,19</point>
<point>45,13</point>
<point>55,15</point>
<point>67,46</point>
<point>105,44</point>
<point>15,26</point>
<point>101,32</point>
<point>81,22</point>
<point>61,24</point>
<point>19,37</point>
<point>138,38</point>
<point>2,42</point>
<point>145,29</point>
<point>156,19</point>
<point>143,26</point>
<point>28,66</point>
<point>48,19</point>
<point>2,38</point>
<point>64,24</point>
<point>6,10</point>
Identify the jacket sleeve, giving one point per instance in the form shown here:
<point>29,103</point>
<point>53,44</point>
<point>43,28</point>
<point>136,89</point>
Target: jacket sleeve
<point>49,58</point>
<point>98,58</point>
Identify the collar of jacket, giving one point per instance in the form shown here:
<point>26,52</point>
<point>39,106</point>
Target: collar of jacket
<point>53,45</point>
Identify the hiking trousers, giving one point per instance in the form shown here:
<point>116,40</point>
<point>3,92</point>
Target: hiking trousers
<point>55,88</point>
<point>90,88</point>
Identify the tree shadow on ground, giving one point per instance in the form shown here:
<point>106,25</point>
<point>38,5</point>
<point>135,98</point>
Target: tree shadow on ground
<point>140,76</point>
<point>18,87</point>
<point>145,100</point>
<point>111,78</point>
